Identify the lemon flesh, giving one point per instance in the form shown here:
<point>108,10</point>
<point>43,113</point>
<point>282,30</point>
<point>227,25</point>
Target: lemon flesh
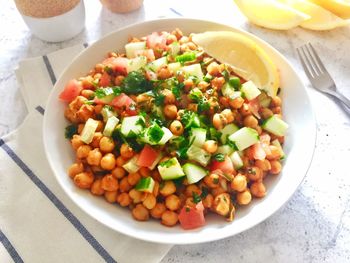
<point>321,19</point>
<point>340,8</point>
<point>248,60</point>
<point>271,14</point>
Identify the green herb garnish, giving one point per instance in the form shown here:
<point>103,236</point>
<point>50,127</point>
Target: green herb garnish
<point>187,56</point>
<point>135,82</point>
<point>220,157</point>
<point>70,131</point>
<point>196,198</point>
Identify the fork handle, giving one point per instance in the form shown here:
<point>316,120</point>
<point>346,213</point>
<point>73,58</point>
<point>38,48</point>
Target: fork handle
<point>340,97</point>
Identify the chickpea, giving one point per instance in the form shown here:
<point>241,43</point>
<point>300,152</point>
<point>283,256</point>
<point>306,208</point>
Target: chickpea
<point>170,111</point>
<point>213,69</point>
<point>156,176</point>
<point>192,188</point>
<point>124,199</point>
<point>94,157</point>
<point>167,188</point>
<point>83,151</point>
<point>96,188</point>
<point>84,180</point>
<point>188,84</point>
<point>75,169</point>
<point>203,85</point>
<point>236,103</point>
<point>254,173</point>
<point>218,190</point>
<point>221,204</point>
<point>276,167</point>
<point>106,144</point>
<point>169,96</point>
<point>119,172</point>
<point>208,201</point>
<point>183,40</point>
<point>192,107</point>
<point>189,202</point>
<point>217,82</point>
<point>212,180</point>
<point>276,101</point>
<point>118,80</point>
<point>120,161</point>
<point>258,129</point>
<point>244,197</point>
<point>111,196</point>
<point>172,202</point>
<point>87,83</point>
<point>156,189</point>
<point>96,140</point>
<point>98,109</point>
<point>219,121</point>
<point>126,151</point>
<point>133,178</point>
<point>145,172</point>
<point>136,196</point>
<point>245,109</point>
<point>140,213</point>
<point>228,114</point>
<point>124,185</point>
<point>158,210</point>
<point>109,183</point>
<point>239,183</point>
<point>264,165</point>
<point>99,68</point>
<point>210,146</point>
<point>108,161</point>
<point>169,218</point>
<point>258,189</point>
<point>266,113</point>
<point>176,128</point>
<point>274,153</point>
<point>164,73</point>
<point>250,121</point>
<point>76,142</point>
<point>150,201</point>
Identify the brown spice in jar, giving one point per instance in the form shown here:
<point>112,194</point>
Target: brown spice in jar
<point>45,8</point>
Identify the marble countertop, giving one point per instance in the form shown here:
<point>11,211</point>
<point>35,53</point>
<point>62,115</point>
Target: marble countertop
<point>314,226</point>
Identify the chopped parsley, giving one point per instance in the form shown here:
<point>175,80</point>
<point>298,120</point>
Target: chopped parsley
<point>205,192</point>
<point>235,83</point>
<point>135,82</point>
<point>159,99</point>
<point>103,92</point>
<point>196,198</point>
<point>220,157</point>
<point>155,133</point>
<point>187,56</point>
<point>168,163</point>
<point>70,131</point>
<point>190,119</point>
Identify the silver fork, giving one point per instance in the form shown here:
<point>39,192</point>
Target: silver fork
<point>318,74</point>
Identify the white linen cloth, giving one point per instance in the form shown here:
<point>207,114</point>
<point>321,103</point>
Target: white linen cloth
<point>38,221</point>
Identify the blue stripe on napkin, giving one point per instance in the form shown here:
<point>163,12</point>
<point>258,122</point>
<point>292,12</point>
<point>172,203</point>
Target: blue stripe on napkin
<point>60,206</point>
<point>49,69</point>
<point>40,109</point>
<point>10,249</point>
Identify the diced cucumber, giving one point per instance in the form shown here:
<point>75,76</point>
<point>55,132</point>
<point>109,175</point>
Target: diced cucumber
<point>227,90</point>
<point>170,169</point>
<point>147,137</point>
<point>250,90</point>
<point>131,166</point>
<point>156,64</point>
<point>227,131</point>
<point>166,137</point>
<point>145,185</point>
<point>193,70</point>
<point>132,126</point>
<point>236,160</point>
<point>107,112</point>
<point>275,125</point>
<point>208,78</point>
<point>194,173</point>
<point>130,48</point>
<point>174,49</point>
<point>158,111</point>
<point>198,136</point>
<point>136,63</point>
<point>276,143</point>
<point>264,100</point>
<point>244,137</point>
<point>89,130</point>
<point>199,155</point>
<point>224,149</point>
<point>107,99</point>
<point>174,67</point>
<point>110,126</point>
<point>235,82</point>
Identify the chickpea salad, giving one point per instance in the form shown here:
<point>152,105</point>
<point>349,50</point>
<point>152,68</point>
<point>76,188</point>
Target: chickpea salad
<point>172,134</point>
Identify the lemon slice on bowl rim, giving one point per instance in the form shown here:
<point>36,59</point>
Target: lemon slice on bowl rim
<point>271,14</point>
<point>340,8</point>
<point>248,60</point>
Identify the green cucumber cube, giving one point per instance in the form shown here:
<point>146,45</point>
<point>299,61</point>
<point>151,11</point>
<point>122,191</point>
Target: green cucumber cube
<point>227,131</point>
<point>89,130</point>
<point>198,136</point>
<point>194,173</point>
<point>199,155</point>
<point>250,90</point>
<point>132,126</point>
<point>275,125</point>
<point>170,169</point>
<point>130,48</point>
<point>110,125</point>
<point>145,185</point>
<point>244,137</point>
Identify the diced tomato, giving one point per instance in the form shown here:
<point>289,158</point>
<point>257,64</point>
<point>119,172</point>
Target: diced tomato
<point>147,156</point>
<point>192,217</point>
<point>123,101</point>
<point>226,166</point>
<point>254,106</point>
<point>148,53</point>
<point>118,64</point>
<point>156,41</point>
<point>265,142</point>
<point>258,151</point>
<point>105,80</point>
<point>71,91</point>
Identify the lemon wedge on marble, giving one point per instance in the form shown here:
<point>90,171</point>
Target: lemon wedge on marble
<point>271,14</point>
<point>321,18</point>
<point>340,8</point>
<point>248,60</point>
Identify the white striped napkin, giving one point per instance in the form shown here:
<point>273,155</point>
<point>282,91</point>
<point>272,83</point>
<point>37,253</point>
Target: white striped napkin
<point>38,222</point>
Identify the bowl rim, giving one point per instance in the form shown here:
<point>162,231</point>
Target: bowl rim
<point>223,234</point>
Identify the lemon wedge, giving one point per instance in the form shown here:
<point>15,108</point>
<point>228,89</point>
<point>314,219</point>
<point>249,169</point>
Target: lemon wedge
<point>340,8</point>
<point>321,19</point>
<point>248,60</point>
<point>271,14</point>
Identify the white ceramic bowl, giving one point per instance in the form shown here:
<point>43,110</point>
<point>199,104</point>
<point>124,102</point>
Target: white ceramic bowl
<point>299,146</point>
